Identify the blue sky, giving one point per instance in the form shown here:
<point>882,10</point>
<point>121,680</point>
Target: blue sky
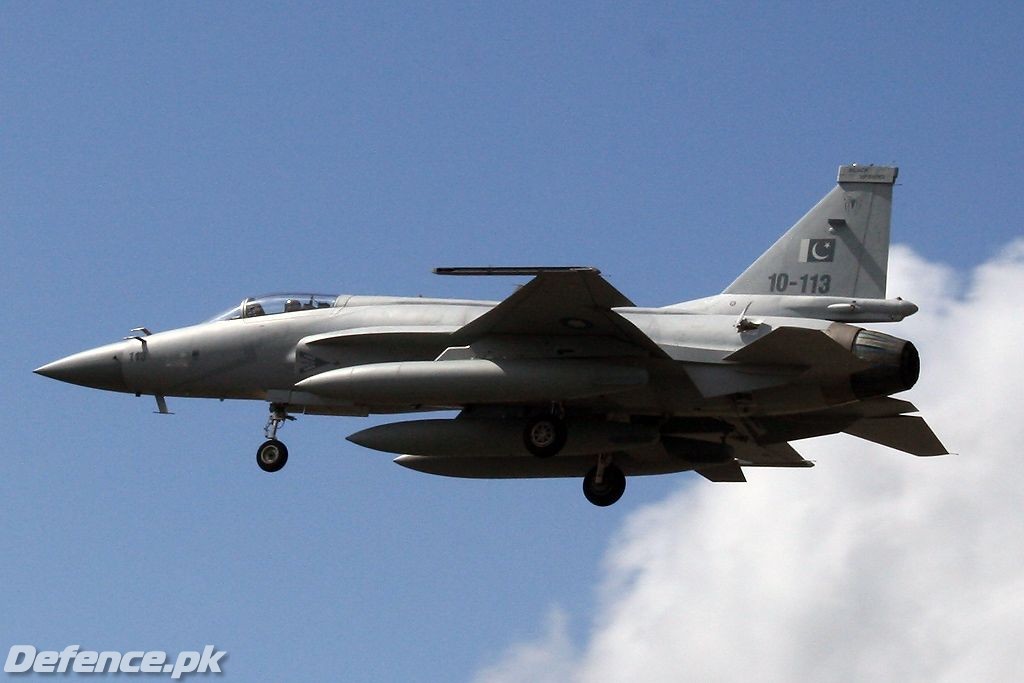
<point>162,161</point>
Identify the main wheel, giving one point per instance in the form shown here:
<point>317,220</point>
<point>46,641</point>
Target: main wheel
<point>544,436</point>
<point>609,490</point>
<point>271,455</point>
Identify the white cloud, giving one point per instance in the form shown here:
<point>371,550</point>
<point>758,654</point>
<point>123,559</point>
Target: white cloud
<point>551,659</point>
<point>875,565</point>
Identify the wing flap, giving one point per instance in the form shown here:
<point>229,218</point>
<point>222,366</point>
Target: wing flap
<point>769,455</point>
<point>727,472</point>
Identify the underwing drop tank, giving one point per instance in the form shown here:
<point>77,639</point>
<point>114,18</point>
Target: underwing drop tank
<point>497,437</point>
<point>473,381</point>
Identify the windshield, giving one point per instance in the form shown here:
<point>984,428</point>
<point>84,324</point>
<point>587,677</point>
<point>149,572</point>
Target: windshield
<point>270,304</point>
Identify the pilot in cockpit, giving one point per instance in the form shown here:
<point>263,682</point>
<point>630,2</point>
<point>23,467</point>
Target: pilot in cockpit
<point>292,305</point>
<point>253,310</point>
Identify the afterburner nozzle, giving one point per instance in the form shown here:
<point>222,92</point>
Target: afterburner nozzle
<point>895,362</point>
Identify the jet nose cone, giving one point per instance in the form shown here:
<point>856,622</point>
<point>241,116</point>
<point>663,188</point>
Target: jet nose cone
<point>99,368</point>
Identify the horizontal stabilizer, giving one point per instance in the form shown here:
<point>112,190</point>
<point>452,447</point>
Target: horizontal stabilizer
<point>727,472</point>
<point>796,346</point>
<point>886,406</point>
<point>904,433</point>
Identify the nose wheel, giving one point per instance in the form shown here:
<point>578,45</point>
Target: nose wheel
<point>272,455</point>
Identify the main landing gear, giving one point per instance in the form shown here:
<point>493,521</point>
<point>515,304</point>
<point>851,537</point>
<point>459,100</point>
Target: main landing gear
<point>605,483</point>
<point>545,435</point>
<point>272,455</point>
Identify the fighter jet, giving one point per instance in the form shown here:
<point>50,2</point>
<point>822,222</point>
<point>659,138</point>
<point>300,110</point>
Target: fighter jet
<point>567,377</point>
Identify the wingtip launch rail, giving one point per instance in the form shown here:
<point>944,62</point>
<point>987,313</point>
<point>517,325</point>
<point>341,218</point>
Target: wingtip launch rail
<point>513,270</point>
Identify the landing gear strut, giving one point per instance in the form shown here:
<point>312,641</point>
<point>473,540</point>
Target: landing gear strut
<point>605,483</point>
<point>272,455</point>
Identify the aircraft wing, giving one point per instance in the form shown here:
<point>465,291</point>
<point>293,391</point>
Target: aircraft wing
<point>557,302</point>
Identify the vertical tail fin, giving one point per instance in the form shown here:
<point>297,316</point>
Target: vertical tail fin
<point>840,248</point>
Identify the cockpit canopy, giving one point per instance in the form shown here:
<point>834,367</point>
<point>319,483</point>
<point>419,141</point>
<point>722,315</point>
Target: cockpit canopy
<point>270,304</point>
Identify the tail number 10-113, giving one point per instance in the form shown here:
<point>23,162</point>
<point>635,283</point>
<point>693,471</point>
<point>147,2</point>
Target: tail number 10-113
<point>804,284</point>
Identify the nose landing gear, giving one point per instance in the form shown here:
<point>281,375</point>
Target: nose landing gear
<point>272,455</point>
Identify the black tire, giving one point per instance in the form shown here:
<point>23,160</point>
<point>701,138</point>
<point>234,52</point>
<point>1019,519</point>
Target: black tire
<point>272,455</point>
<point>610,490</point>
<point>544,436</point>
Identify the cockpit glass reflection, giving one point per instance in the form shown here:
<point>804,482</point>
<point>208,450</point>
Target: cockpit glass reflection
<point>272,304</point>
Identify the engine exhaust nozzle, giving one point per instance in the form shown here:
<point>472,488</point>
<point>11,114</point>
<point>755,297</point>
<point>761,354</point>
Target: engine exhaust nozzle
<point>895,362</point>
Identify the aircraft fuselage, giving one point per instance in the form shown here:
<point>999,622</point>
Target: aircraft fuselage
<point>566,376</point>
